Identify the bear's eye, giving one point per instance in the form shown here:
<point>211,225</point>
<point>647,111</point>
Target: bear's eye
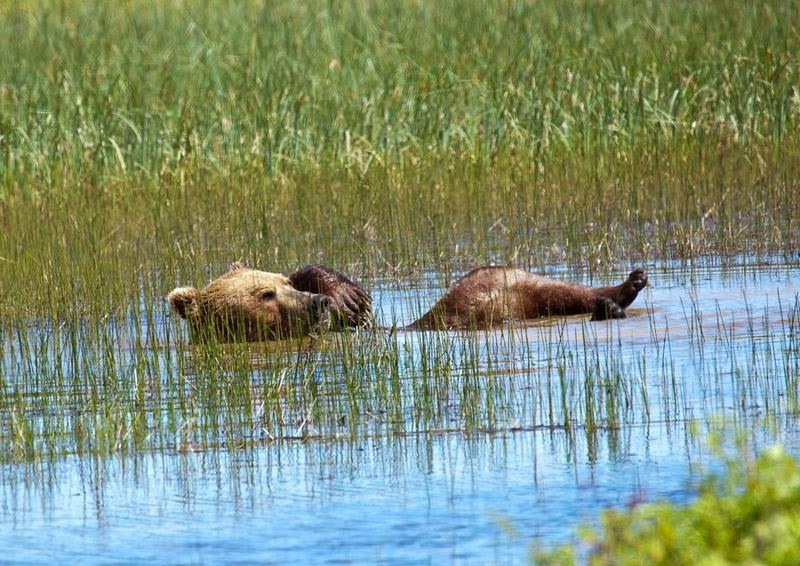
<point>266,295</point>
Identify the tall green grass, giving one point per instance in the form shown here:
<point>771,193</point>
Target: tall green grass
<point>172,136</point>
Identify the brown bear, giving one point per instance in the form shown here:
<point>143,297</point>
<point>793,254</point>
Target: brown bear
<point>252,305</point>
<point>256,305</point>
<point>491,296</point>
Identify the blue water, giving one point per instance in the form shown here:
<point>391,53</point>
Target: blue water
<point>714,344</point>
<point>424,499</point>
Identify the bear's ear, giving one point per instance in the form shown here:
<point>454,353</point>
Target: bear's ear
<point>184,301</point>
<point>237,265</point>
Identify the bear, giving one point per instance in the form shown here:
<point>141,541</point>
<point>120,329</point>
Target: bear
<point>255,305</point>
<point>493,295</point>
<point>252,305</point>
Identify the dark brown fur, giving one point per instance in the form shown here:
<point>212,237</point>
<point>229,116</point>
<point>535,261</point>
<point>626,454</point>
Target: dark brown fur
<point>490,296</point>
<point>351,305</point>
<point>256,305</point>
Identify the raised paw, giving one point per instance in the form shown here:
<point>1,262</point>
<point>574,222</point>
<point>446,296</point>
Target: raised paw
<point>637,279</point>
<point>629,290</point>
<point>352,306</point>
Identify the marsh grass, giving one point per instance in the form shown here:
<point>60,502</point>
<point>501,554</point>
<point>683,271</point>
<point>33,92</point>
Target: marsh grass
<point>88,390</point>
<point>145,145</point>
<point>166,139</point>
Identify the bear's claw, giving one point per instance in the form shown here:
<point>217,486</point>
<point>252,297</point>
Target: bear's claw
<point>352,306</point>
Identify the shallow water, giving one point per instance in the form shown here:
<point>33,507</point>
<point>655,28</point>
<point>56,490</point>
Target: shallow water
<point>528,433</point>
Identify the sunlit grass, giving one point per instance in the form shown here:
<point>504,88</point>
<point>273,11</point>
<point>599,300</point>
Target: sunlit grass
<point>172,137</point>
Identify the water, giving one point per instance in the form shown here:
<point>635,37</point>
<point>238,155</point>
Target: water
<point>529,433</point>
<point>426,498</point>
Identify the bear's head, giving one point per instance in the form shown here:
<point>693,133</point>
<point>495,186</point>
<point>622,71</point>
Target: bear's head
<point>252,305</point>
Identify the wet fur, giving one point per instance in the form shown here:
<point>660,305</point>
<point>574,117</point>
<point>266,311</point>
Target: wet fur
<point>251,305</point>
<point>491,296</point>
<point>256,305</point>
<point>351,305</point>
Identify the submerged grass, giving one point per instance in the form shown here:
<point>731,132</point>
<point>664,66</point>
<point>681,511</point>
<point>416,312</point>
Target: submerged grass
<point>144,145</point>
<point>68,393</point>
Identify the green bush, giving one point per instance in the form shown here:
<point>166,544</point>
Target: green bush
<point>750,515</point>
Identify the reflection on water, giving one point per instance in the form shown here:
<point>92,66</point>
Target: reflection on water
<point>453,446</point>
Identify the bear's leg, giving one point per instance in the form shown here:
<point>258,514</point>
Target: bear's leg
<point>606,309</point>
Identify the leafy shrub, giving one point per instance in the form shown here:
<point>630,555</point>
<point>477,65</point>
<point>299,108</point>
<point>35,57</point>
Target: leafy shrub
<point>750,515</point>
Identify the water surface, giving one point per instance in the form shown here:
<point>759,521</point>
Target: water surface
<point>473,447</point>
